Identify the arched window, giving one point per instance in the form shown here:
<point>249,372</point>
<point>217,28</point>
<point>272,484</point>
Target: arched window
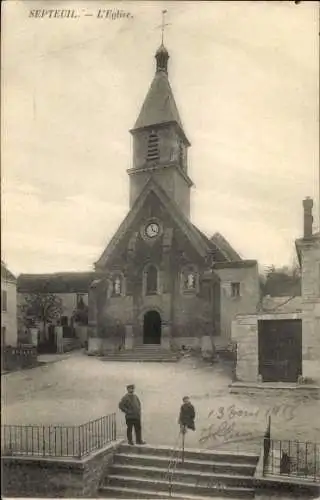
<point>151,280</point>
<point>153,153</point>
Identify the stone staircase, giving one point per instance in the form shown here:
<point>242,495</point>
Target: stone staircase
<point>151,472</point>
<point>147,352</point>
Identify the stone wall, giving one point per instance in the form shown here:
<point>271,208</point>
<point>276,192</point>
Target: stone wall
<point>64,478</point>
<point>281,304</point>
<point>184,314</point>
<point>310,266</point>
<point>245,334</point>
<point>246,303</point>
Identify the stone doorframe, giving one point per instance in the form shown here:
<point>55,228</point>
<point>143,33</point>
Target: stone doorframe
<point>165,327</point>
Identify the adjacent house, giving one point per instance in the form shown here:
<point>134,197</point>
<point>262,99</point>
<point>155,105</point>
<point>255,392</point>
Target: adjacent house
<point>308,249</point>
<point>281,341</point>
<point>9,331</point>
<point>71,291</point>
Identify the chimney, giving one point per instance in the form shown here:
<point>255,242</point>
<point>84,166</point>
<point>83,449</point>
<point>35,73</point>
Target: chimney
<point>307,217</point>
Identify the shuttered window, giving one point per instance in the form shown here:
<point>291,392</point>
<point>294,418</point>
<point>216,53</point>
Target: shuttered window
<point>153,153</point>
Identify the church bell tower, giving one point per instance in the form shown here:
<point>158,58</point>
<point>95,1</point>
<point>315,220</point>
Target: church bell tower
<point>159,142</point>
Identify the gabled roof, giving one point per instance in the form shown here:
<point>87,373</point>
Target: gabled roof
<point>7,275</point>
<point>200,242</point>
<point>159,106</point>
<point>194,236</point>
<point>225,247</point>
<point>216,252</point>
<point>72,282</point>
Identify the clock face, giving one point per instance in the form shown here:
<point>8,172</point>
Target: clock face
<point>152,230</point>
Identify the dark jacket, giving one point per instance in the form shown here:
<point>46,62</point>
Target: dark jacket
<point>131,406</point>
<point>187,415</point>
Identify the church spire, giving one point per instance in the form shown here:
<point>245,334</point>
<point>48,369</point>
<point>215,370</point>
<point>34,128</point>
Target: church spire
<point>159,141</point>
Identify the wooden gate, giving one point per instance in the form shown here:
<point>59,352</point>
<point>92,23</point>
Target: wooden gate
<point>280,350</point>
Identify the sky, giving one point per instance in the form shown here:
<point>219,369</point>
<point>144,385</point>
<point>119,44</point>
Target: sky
<point>245,76</point>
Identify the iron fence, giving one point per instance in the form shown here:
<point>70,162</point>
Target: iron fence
<point>294,458</point>
<point>266,444</point>
<point>58,440</point>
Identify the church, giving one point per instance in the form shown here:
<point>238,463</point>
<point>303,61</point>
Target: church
<point>161,281</point>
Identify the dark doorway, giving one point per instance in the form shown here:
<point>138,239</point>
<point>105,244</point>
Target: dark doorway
<point>49,344</point>
<point>152,328</point>
<point>280,350</point>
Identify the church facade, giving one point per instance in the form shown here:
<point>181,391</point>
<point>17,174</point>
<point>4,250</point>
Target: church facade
<point>160,280</point>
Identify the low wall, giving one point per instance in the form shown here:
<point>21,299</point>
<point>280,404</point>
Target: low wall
<point>284,488</point>
<point>56,477</point>
<point>15,358</point>
<point>277,389</point>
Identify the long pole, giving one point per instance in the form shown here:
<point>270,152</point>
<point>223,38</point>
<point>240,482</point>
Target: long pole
<point>183,441</point>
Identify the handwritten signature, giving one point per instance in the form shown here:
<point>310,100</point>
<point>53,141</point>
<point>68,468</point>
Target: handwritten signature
<point>225,430</point>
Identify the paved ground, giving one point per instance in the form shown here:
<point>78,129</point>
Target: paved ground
<point>80,388</point>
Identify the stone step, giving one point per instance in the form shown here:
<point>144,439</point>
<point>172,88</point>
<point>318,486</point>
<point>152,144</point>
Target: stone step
<point>148,347</point>
<point>184,488</point>
<point>199,479</point>
<point>144,354</point>
<point>189,464</point>
<point>192,453</point>
<point>116,492</point>
<point>140,359</point>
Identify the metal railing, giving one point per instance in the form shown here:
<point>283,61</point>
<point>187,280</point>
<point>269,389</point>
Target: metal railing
<point>176,456</point>
<point>294,458</point>
<point>290,458</point>
<point>266,445</point>
<point>58,440</point>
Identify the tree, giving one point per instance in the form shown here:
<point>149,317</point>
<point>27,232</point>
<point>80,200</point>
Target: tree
<point>282,281</point>
<point>41,308</point>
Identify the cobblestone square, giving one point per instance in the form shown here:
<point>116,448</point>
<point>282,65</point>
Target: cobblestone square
<point>80,388</point>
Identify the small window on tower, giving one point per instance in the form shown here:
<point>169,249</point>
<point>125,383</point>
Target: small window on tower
<point>153,153</point>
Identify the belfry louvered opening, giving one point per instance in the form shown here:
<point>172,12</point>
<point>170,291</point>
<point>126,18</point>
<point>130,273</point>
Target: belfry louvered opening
<point>153,147</point>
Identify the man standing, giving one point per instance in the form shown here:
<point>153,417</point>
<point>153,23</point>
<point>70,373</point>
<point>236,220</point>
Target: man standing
<point>130,405</point>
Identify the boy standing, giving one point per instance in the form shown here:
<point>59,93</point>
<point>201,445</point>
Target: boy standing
<point>187,415</point>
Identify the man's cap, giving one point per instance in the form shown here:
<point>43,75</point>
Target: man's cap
<point>130,386</point>
<point>185,397</point>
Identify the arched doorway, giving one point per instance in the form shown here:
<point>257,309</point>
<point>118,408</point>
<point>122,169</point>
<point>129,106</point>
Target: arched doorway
<point>152,328</point>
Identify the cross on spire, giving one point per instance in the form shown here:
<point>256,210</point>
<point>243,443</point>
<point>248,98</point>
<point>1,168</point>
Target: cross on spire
<point>163,25</point>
